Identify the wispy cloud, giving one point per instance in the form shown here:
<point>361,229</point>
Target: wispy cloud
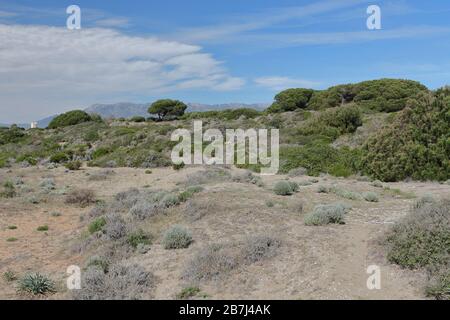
<point>258,21</point>
<point>320,38</point>
<point>112,22</point>
<point>90,17</point>
<point>277,83</point>
<point>59,68</point>
<point>7,14</point>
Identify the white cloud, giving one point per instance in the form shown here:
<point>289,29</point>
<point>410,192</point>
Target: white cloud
<point>44,69</point>
<point>280,83</point>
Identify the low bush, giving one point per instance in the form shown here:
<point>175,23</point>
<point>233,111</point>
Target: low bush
<point>42,228</point>
<point>178,166</point>
<point>188,292</point>
<point>260,247</point>
<point>81,197</point>
<point>210,175</point>
<point>73,165</point>
<point>98,262</point>
<point>326,214</point>
<point>60,157</point>
<point>371,197</point>
<point>115,227</point>
<point>97,225</point>
<point>144,209</point>
<point>9,191</point>
<point>121,282</point>
<point>346,194</point>
<point>323,189</point>
<point>137,119</point>
<point>209,263</point>
<point>10,276</point>
<point>422,240</point>
<point>283,188</point>
<point>47,185</point>
<point>177,238</point>
<point>139,237</point>
<point>377,184</point>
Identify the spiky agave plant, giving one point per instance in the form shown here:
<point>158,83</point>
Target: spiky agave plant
<point>36,283</point>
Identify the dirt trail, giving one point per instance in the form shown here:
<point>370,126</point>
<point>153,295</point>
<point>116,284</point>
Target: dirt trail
<point>327,262</point>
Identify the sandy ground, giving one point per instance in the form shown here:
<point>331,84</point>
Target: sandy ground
<point>328,262</point>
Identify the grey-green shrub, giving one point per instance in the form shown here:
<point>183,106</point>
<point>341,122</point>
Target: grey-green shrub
<point>37,284</point>
<point>377,184</point>
<point>143,210</point>
<point>283,188</point>
<point>323,189</point>
<point>177,237</point>
<point>47,185</point>
<point>346,194</point>
<point>100,262</point>
<point>121,282</point>
<point>9,191</point>
<point>115,227</point>
<point>209,263</point>
<point>170,200</point>
<point>422,240</point>
<point>260,247</point>
<point>371,197</point>
<point>326,214</point>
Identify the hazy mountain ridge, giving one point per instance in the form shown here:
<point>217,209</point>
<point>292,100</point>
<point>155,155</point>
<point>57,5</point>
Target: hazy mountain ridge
<point>128,110</point>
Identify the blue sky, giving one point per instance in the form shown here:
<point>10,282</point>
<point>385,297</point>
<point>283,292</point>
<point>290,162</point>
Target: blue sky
<point>209,51</point>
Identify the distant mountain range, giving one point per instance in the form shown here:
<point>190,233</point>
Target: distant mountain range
<point>128,110</point>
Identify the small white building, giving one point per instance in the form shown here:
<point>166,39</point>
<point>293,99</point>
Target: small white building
<point>34,125</point>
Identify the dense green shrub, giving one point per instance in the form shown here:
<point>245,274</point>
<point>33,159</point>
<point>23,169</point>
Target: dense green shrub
<point>69,119</point>
<point>290,100</point>
<point>333,123</point>
<point>332,97</point>
<point>59,157</point>
<point>384,95</point>
<point>320,158</point>
<point>387,95</point>
<point>137,119</point>
<point>100,152</point>
<point>28,158</point>
<point>12,135</point>
<point>416,145</point>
